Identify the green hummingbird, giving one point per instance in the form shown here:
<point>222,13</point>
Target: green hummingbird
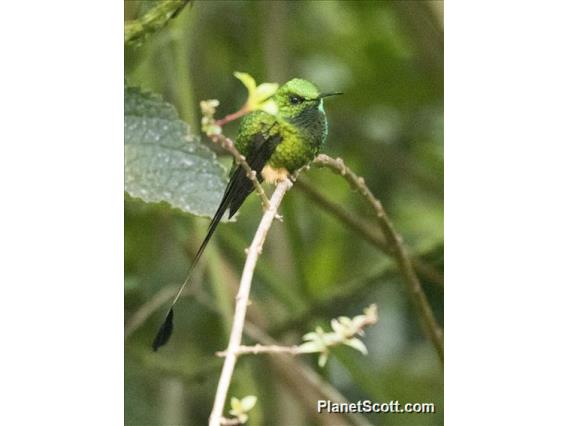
<point>274,146</point>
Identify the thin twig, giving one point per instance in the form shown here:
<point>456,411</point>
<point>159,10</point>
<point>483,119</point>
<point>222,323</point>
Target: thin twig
<point>233,116</point>
<point>364,230</point>
<point>433,330</point>
<point>242,301</point>
<point>344,330</point>
<point>260,349</point>
<point>229,146</point>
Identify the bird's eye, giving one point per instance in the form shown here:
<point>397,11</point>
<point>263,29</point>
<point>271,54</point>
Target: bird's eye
<point>295,100</point>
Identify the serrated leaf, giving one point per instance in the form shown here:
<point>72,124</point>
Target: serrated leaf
<point>163,161</point>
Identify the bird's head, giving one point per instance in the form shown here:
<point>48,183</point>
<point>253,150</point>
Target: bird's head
<point>297,96</point>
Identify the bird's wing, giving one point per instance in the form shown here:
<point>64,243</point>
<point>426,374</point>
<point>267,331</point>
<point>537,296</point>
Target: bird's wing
<point>238,189</point>
<point>240,185</point>
<point>262,149</point>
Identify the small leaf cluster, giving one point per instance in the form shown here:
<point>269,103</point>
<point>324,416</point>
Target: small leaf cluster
<point>258,99</point>
<point>241,407</point>
<point>344,331</point>
<point>258,96</point>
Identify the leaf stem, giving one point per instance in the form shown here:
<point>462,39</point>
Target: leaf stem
<point>233,116</point>
<point>261,349</point>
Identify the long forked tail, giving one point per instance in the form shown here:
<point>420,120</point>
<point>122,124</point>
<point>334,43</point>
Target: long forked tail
<point>237,190</point>
<point>165,330</point>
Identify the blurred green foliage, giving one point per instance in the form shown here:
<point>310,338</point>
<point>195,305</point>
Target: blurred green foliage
<point>387,57</point>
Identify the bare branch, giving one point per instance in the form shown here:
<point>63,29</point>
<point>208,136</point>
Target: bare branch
<point>260,349</point>
<point>242,301</point>
<point>394,240</point>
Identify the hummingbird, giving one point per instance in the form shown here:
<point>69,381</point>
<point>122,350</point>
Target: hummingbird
<point>275,146</point>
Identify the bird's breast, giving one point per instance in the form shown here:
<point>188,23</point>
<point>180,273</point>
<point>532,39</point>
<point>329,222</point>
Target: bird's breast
<point>298,147</point>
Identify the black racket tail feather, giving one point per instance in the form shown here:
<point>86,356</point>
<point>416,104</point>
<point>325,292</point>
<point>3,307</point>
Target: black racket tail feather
<point>165,331</point>
<point>238,189</point>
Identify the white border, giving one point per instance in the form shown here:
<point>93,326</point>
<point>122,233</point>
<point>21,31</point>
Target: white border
<point>506,213</point>
<point>61,174</point>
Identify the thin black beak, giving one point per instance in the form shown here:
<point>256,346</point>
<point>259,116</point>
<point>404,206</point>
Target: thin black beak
<point>325,95</point>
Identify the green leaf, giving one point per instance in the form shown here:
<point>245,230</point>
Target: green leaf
<point>248,402</point>
<point>322,359</point>
<point>258,96</point>
<point>357,344</point>
<point>236,407</point>
<point>163,161</point>
<point>311,347</point>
